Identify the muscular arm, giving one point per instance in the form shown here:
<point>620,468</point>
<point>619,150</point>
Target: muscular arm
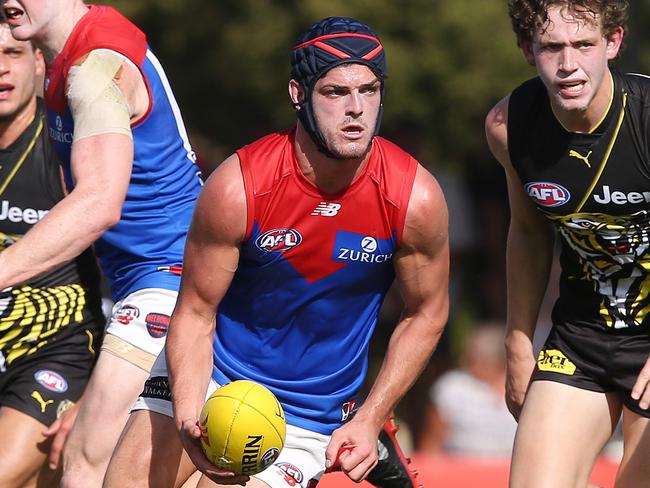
<point>422,271</point>
<point>101,168</point>
<point>528,260</point>
<point>211,258</point>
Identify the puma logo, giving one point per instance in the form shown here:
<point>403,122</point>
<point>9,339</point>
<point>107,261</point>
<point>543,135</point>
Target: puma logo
<point>584,159</point>
<point>42,402</point>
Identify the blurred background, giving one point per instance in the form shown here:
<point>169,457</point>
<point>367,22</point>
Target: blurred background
<point>449,62</point>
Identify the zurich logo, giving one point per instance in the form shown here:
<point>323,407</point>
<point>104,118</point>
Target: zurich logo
<point>547,194</point>
<point>278,240</point>
<point>59,123</point>
<point>369,244</point>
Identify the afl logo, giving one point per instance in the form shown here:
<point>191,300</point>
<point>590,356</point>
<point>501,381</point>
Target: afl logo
<point>279,240</point>
<point>51,380</point>
<point>547,194</point>
<point>291,470</point>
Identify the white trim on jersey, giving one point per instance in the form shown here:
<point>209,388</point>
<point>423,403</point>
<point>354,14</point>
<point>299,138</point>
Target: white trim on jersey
<point>174,105</point>
<point>639,74</point>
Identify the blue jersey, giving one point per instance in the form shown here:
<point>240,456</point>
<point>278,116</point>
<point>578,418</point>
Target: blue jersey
<point>312,275</point>
<point>149,239</point>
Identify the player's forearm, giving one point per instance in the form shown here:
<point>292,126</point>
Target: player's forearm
<point>69,228</point>
<point>409,351</point>
<point>529,257</point>
<point>189,361</point>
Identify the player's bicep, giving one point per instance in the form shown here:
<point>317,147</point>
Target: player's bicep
<point>422,263</point>
<point>214,239</point>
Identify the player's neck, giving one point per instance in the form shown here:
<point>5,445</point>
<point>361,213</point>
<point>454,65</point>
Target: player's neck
<point>329,175</point>
<point>53,40</point>
<point>11,129</point>
<point>587,120</point>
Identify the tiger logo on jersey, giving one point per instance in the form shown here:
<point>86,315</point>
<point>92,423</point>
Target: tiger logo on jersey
<point>615,254</point>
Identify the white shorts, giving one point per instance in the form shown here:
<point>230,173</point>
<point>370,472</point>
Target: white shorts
<point>301,460</point>
<point>139,323</point>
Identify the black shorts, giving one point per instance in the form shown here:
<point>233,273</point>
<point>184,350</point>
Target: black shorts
<point>45,383</point>
<point>605,361</point>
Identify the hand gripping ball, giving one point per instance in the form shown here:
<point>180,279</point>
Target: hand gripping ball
<point>242,427</point>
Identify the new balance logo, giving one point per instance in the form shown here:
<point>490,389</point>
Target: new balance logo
<point>577,155</point>
<point>327,209</point>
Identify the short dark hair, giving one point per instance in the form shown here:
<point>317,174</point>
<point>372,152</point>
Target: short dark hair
<point>528,16</point>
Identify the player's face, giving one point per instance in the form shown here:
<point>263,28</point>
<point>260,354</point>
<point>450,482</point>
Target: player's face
<point>29,19</point>
<point>346,102</point>
<point>20,66</point>
<point>571,55</point>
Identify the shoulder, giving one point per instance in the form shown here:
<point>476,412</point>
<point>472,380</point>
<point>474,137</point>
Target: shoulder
<point>426,217</point>
<point>221,207</point>
<point>496,129</point>
<point>637,86</point>
<point>266,145</point>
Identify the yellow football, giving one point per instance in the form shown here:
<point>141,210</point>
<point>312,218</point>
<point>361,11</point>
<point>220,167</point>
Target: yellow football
<point>242,427</point>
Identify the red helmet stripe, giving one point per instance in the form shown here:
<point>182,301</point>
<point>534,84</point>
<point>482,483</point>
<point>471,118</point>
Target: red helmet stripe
<point>333,36</point>
<point>373,53</point>
<point>332,50</point>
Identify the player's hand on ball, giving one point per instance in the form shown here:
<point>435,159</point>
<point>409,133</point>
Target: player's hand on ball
<point>353,449</point>
<point>242,428</point>
<point>190,435</point>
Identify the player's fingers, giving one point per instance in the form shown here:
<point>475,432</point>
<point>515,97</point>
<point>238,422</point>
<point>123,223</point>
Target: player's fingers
<point>334,463</point>
<point>54,458</point>
<point>53,429</point>
<point>357,465</point>
<point>513,408</point>
<point>640,388</point>
<point>191,429</point>
<point>220,476</point>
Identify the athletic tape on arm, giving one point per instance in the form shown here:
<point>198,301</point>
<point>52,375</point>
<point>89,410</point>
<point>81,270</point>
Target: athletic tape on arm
<point>97,104</point>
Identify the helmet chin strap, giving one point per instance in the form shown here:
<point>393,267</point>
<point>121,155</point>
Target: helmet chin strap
<point>308,120</point>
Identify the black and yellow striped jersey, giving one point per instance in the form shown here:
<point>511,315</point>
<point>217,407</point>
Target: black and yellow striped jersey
<point>595,188</point>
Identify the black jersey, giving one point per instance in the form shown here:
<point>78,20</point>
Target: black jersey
<point>595,188</point>
<point>50,306</point>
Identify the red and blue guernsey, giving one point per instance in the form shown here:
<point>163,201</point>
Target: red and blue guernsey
<point>149,239</point>
<point>313,272</point>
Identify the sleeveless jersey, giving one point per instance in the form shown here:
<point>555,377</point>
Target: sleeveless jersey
<point>148,241</point>
<point>312,275</point>
<point>50,306</point>
<point>595,188</point>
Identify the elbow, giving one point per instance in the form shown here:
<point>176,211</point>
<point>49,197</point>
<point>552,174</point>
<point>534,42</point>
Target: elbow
<point>105,215</point>
<point>109,220</point>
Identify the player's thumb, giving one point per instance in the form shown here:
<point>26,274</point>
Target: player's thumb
<point>333,455</point>
<point>192,428</point>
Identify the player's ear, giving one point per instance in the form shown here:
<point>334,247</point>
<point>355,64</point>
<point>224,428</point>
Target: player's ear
<point>614,42</point>
<point>527,50</point>
<point>39,61</point>
<point>296,93</point>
